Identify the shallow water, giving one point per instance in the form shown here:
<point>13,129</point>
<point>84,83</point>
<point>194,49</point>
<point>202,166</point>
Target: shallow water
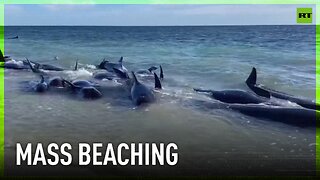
<point>209,57</point>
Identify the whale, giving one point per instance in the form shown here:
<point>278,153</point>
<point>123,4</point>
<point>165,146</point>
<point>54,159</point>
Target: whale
<point>15,37</point>
<point>85,90</point>
<point>234,96</point>
<point>48,67</point>
<point>14,64</point>
<point>56,81</point>
<point>109,66</point>
<point>293,116</point>
<point>147,71</point>
<point>42,86</point>
<point>104,75</point>
<point>35,68</point>
<point>8,63</point>
<point>140,93</point>
<point>266,92</point>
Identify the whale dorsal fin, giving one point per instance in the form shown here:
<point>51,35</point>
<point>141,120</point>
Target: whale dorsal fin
<point>1,57</point>
<point>135,78</point>
<point>252,79</point>
<point>161,73</point>
<point>103,62</point>
<point>157,83</point>
<point>42,79</point>
<point>121,60</point>
<point>76,65</point>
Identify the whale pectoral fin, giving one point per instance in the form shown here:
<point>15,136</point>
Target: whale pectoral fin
<point>1,57</point>
<point>161,73</point>
<point>252,79</point>
<point>70,84</point>
<point>157,83</point>
<point>259,91</point>
<point>76,65</point>
<point>120,74</point>
<point>30,65</point>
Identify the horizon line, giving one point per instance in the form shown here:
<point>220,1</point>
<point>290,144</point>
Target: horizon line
<point>170,25</point>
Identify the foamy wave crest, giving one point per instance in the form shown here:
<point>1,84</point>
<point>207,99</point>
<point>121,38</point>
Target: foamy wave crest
<point>79,73</point>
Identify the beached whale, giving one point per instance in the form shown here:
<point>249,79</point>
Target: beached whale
<point>234,96</point>
<point>84,88</point>
<point>14,64</point>
<point>42,86</point>
<point>267,92</point>
<point>48,67</point>
<point>56,81</point>
<point>147,71</point>
<point>140,93</point>
<point>9,63</point>
<point>109,66</point>
<point>150,71</point>
<point>295,116</point>
<point>35,68</point>
<point>104,75</point>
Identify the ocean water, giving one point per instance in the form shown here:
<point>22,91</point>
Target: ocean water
<point>213,57</point>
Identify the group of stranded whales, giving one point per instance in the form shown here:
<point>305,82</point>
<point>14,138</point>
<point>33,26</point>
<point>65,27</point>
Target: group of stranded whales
<point>139,93</point>
<point>258,104</point>
<point>255,103</point>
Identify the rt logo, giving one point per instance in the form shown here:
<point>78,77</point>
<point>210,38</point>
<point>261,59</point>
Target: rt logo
<point>304,15</point>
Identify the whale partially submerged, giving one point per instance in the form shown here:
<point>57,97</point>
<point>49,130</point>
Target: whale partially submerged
<point>147,71</point>
<point>234,96</point>
<point>109,66</point>
<point>294,116</point>
<point>84,88</point>
<point>8,63</point>
<point>263,91</point>
<point>140,93</point>
<point>48,67</point>
<point>41,86</point>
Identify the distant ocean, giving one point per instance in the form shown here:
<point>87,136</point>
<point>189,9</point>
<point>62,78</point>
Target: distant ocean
<point>215,57</point>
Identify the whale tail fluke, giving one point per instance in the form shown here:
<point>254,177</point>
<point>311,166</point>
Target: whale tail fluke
<point>161,73</point>
<point>252,79</point>
<point>157,83</point>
